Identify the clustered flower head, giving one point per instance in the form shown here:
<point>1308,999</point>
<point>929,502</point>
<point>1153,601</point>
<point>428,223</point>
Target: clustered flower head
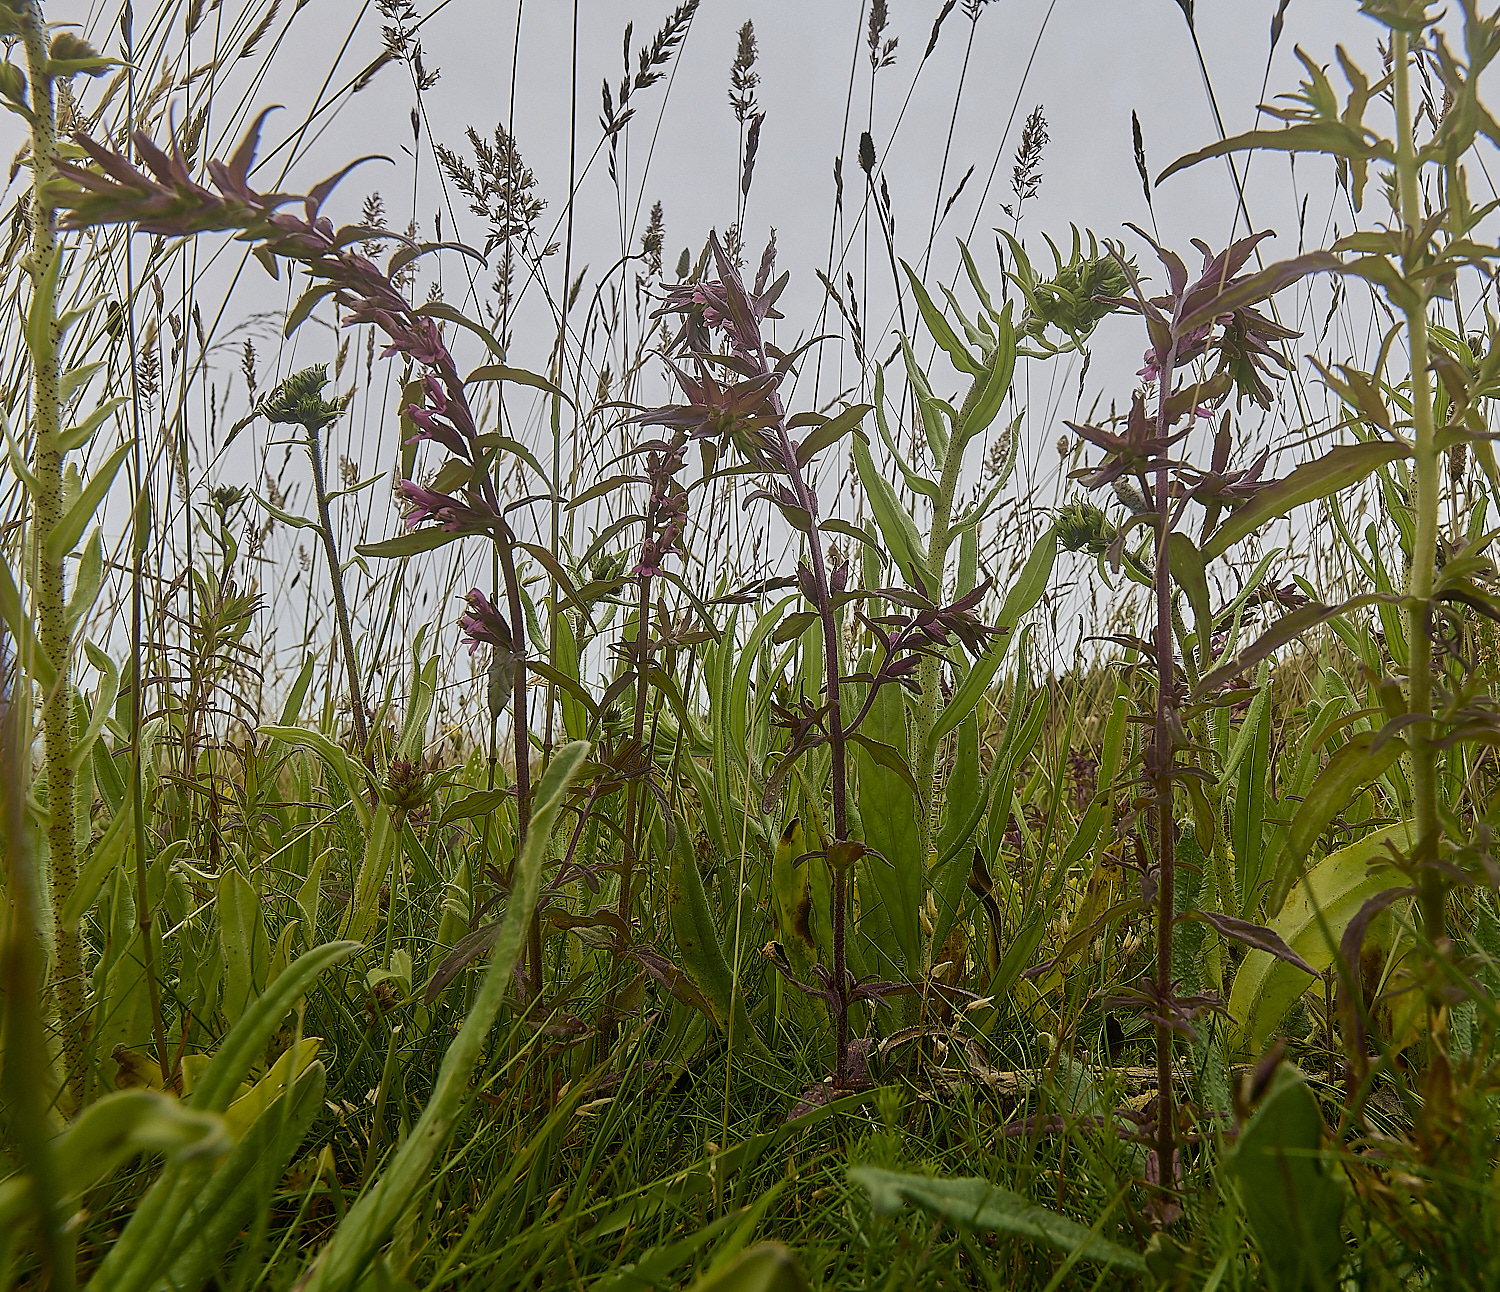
<point>468,513</point>
<point>725,306</point>
<point>1214,314</point>
<point>743,412</point>
<point>484,625</point>
<point>667,509</point>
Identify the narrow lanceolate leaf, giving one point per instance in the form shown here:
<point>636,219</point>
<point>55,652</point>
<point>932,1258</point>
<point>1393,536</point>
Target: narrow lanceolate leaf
<point>351,775</point>
<point>1331,137</point>
<point>1337,469</point>
<point>1286,629</point>
<point>66,533</point>
<point>831,432</point>
<point>941,331</point>
<point>1252,935</point>
<point>978,1204</point>
<point>412,544</point>
<point>902,538</point>
<point>1024,593</point>
<point>996,383</point>
<point>521,376</point>
<point>1354,766</point>
<point>1258,287</point>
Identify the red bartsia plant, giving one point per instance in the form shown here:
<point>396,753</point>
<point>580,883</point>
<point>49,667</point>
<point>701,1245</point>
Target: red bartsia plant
<point>1207,342</point>
<point>731,376</point>
<point>169,202</point>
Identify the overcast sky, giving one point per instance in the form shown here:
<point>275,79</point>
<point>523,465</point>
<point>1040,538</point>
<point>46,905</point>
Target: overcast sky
<point>1087,63</point>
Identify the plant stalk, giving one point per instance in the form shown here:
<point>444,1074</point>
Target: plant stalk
<point>1431,890</point>
<point>925,715</point>
<point>340,602</point>
<point>1163,763</point>
<point>42,264</point>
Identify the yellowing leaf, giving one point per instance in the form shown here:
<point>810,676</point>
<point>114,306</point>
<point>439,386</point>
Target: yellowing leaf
<point>242,1113</point>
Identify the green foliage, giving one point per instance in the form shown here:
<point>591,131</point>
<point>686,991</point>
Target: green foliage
<point>978,1204</point>
<point>1289,1188</point>
<point>748,879</point>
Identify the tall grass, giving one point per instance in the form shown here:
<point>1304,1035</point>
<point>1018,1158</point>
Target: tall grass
<point>671,821</point>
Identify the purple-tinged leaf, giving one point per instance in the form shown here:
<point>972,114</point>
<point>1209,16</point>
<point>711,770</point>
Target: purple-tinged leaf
<point>1351,1000</point>
<point>1252,935</point>
<point>1244,292</point>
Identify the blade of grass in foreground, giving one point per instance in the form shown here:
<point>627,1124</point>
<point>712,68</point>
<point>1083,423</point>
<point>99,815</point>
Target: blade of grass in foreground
<point>371,1220</point>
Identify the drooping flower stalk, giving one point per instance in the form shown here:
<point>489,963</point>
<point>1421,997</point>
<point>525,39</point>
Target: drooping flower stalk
<point>170,202</point>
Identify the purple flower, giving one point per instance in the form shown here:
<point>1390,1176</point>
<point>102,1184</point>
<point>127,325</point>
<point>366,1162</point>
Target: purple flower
<point>469,515</point>
<point>725,306</point>
<point>484,625</point>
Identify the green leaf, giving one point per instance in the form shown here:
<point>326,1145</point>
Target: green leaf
<point>831,432</point>
<point>521,376</point>
<point>246,1042</point>
<point>1311,922</point>
<point>1188,573</point>
<point>90,579</point>
<point>1290,1190</point>
<point>70,528</point>
<point>369,1223</point>
<point>380,848</point>
<point>1331,137</point>
<point>978,1204</point>
<point>1353,766</point>
<point>888,808</point>
<point>442,310</point>
<point>285,517</point>
<point>75,437</point>
<point>1340,467</point>
<point>903,540</point>
<point>241,928</point>
<point>106,855</point>
<point>942,333</point>
<point>766,1267</point>
<point>104,703</point>
<point>411,544</point>
<point>987,399</point>
<point>351,773</point>
<point>1286,629</point>
<point>128,1122</point>
<point>305,305</point>
<point>696,934</point>
<point>1024,593</point>
<point>68,55</point>
<point>887,756</point>
<point>237,1192</point>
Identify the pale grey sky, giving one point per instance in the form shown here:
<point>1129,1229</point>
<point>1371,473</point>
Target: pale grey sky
<point>1089,63</point>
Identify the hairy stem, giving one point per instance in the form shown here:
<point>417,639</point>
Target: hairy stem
<point>925,715</point>
<point>42,337</point>
<point>1163,762</point>
<point>837,744</point>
